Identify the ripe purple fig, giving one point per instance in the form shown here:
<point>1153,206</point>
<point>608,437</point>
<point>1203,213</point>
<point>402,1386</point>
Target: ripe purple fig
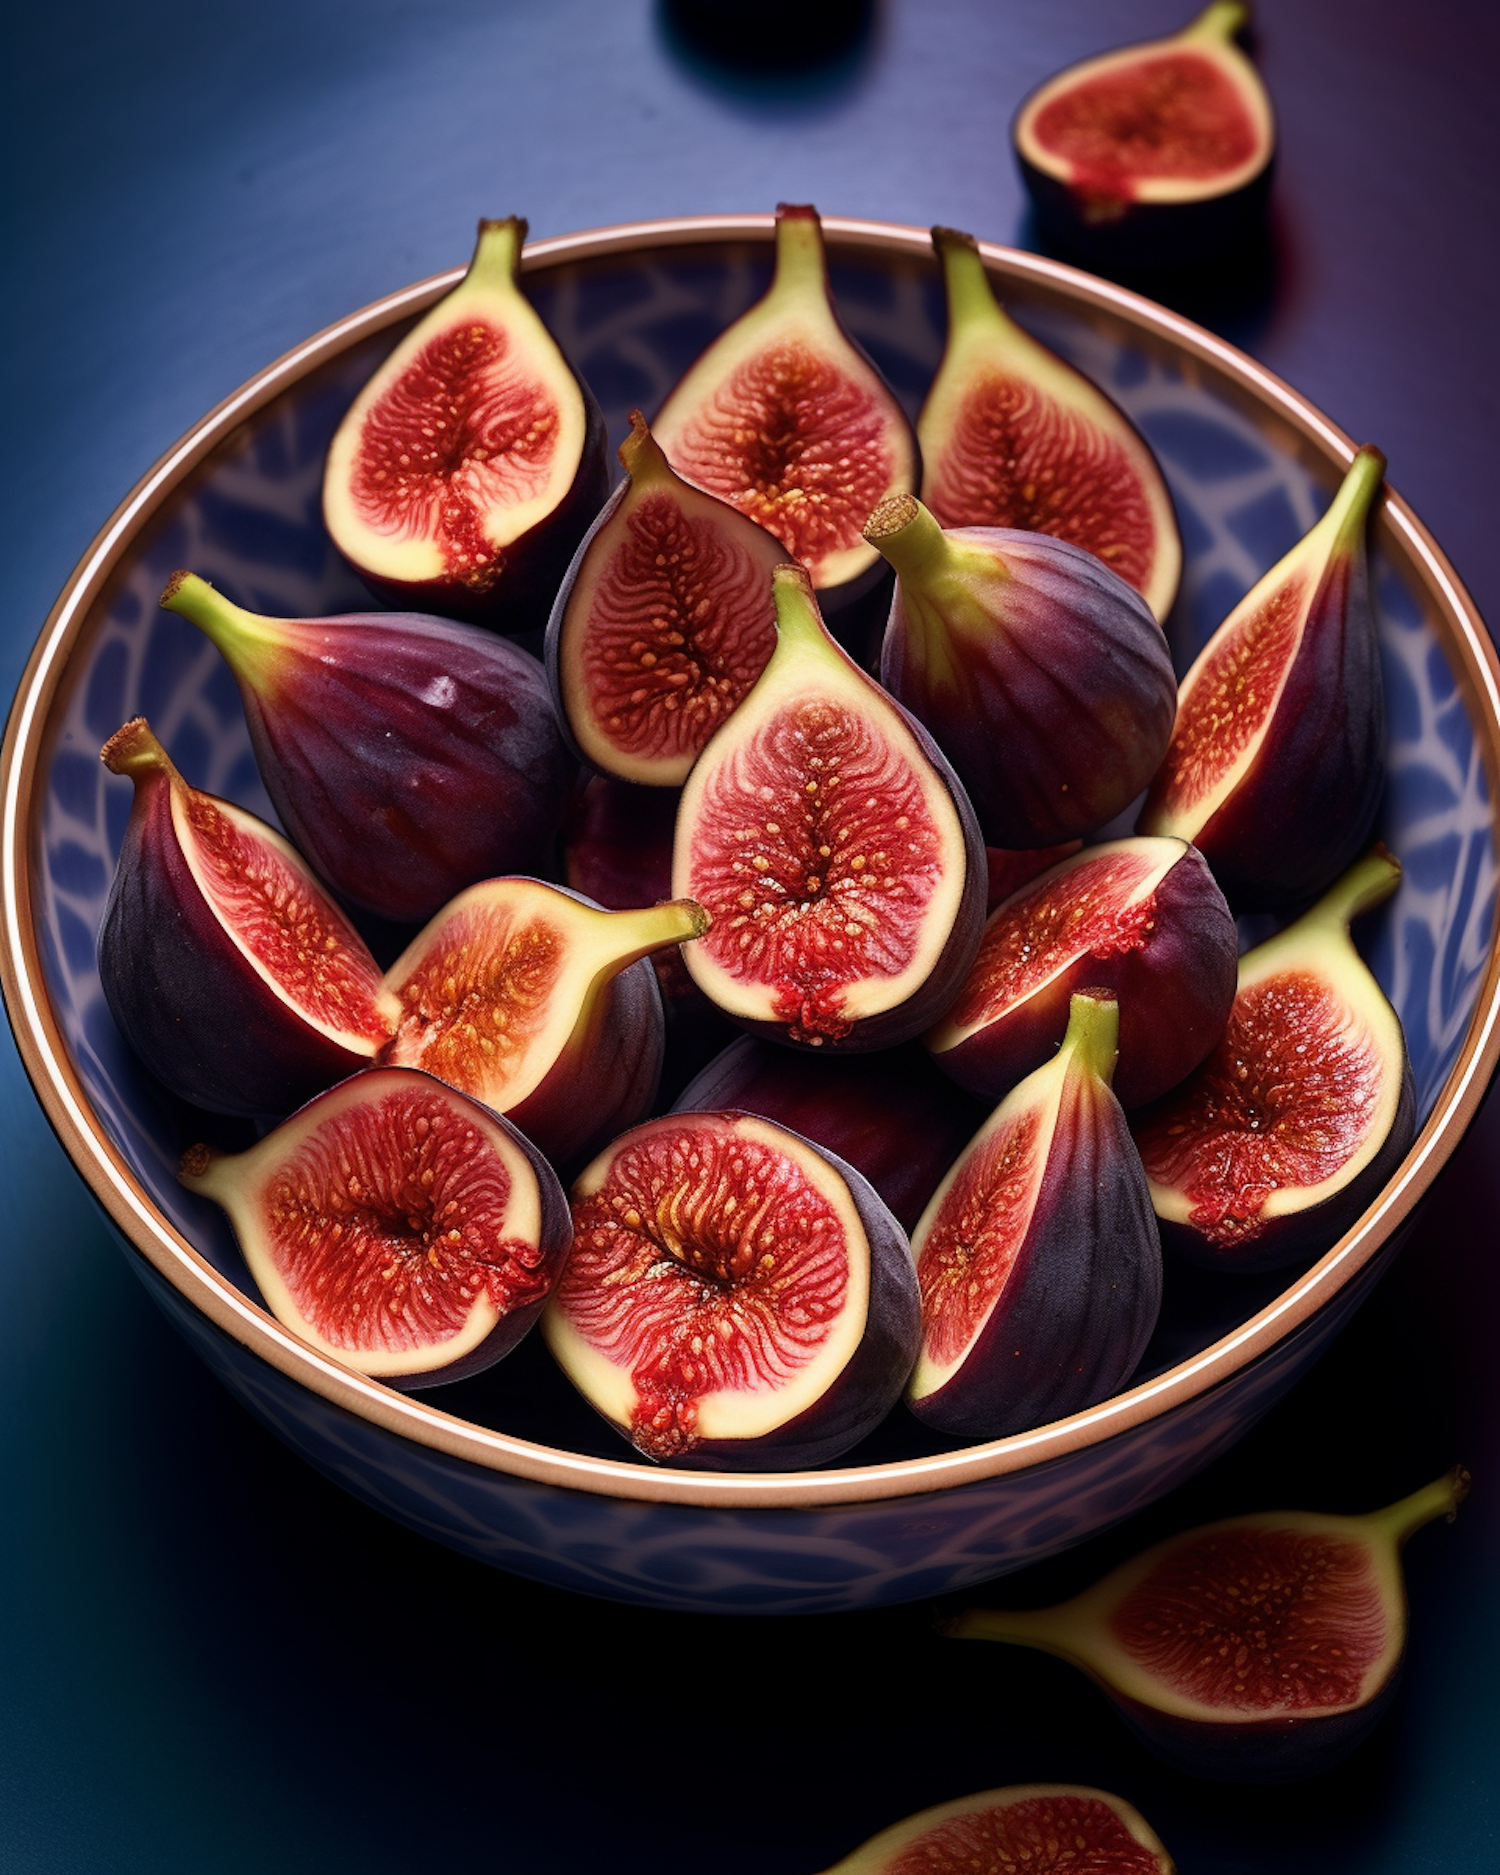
<point>1038,1255</point>
<point>1304,1108</point>
<point>226,966</point>
<point>396,1225</point>
<point>1043,1829</point>
<point>408,757</point>
<point>838,856</point>
<point>1141,918</point>
<point>1044,676</point>
<point>1283,708</point>
<point>1012,436</point>
<point>735,1298</point>
<point>663,622</point>
<point>1258,1650</point>
<point>472,463</point>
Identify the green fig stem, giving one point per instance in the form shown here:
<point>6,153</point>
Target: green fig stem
<point>1441,1498</point>
<point>947,586</point>
<point>653,928</point>
<point>1092,1040</point>
<point>972,305</point>
<point>1349,511</point>
<point>1016,1627</point>
<point>133,750</point>
<point>641,456</point>
<point>1221,20</point>
<point>801,267</point>
<point>497,255</point>
<point>798,619</point>
<point>1368,882</point>
<point>197,1166</point>
<point>245,640</point>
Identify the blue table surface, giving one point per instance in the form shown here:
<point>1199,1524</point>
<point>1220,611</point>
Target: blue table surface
<point>214,1659</point>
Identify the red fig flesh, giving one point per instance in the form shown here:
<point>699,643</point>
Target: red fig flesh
<point>1041,1829</point>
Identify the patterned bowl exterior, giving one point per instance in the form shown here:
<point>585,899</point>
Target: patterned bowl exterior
<point>248,519</point>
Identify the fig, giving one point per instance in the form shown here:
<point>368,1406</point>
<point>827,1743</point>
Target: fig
<point>1012,436</point>
<point>1283,707</point>
<point>226,966</point>
<point>1259,1649</point>
<point>1043,1829</point>
<point>524,996</point>
<point>736,1297</point>
<point>472,463</point>
<point>891,1115</point>
<point>1155,154</point>
<point>663,622</point>
<point>1141,918</point>
<point>1304,1108</point>
<point>833,848</point>
<point>408,757</point>
<point>1044,677</point>
<point>785,418</point>
<point>396,1225</point>
<point>1009,867</point>
<point>1038,1255</point>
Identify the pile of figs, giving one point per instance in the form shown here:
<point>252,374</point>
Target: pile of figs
<point>885,1038</point>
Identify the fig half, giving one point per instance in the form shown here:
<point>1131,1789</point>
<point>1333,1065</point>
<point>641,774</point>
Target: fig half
<point>396,1225</point>
<point>472,463</point>
<point>735,1298</point>
<point>1012,436</point>
<point>1260,1649</point>
<point>832,846</point>
<point>1304,1108</point>
<point>1041,1829</point>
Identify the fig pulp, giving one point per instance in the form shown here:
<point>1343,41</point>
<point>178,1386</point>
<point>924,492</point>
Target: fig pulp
<point>1043,676</point>
<point>1141,918</point>
<point>1260,1649</point>
<point>1282,708</point>
<point>735,1297</point>
<point>663,623</point>
<point>408,757</point>
<point>470,466</point>
<point>226,966</point>
<point>834,850</point>
<point>1041,1829</point>
<point>786,419</point>
<point>1011,436</point>
<point>1304,1108</point>
<point>1038,1256</point>
<point>396,1225</point>
<point>1155,154</point>
<point>541,1005</point>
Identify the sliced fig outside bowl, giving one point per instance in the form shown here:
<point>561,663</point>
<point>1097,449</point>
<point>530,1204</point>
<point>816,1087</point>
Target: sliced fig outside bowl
<point>1043,1829</point>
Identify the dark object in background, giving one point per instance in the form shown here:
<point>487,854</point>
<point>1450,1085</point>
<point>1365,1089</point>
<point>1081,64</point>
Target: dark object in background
<point>765,36</point>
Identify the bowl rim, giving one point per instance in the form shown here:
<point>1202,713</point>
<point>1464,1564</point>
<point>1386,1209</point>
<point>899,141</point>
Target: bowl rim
<point>1034,278</point>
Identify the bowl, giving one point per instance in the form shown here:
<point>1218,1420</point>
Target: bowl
<point>509,1466</point>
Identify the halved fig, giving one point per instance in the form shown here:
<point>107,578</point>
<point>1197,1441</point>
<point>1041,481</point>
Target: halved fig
<point>1259,1649</point>
<point>1304,1108</point>
<point>407,756</point>
<point>735,1298</point>
<point>785,418</point>
<point>472,463</point>
<point>663,622</point>
<point>226,966</point>
<point>1141,918</point>
<point>890,1115</point>
<point>1041,1829</point>
<point>524,995</point>
<point>1012,436</point>
<point>1010,867</point>
<point>1155,154</point>
<point>833,847</point>
<point>1044,676</point>
<point>1284,707</point>
<point>1038,1255</point>
<point>396,1225</point>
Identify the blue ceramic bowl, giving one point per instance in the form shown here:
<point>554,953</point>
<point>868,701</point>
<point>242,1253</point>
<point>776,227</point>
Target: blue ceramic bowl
<point>509,1466</point>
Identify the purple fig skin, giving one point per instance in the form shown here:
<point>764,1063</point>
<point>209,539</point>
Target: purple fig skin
<point>407,756</point>
<point>890,1116</point>
<point>1267,1751</point>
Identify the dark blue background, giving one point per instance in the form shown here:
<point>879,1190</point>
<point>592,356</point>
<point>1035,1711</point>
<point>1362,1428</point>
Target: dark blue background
<point>213,1660</point>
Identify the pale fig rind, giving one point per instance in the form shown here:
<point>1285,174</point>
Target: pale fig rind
<point>1158,935</point>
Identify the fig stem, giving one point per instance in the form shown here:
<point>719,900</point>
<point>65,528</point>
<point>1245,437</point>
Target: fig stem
<point>1368,882</point>
<point>638,932</point>
<point>1349,511</point>
<point>134,750</point>
<point>1441,1498</point>
<point>801,269</point>
<point>236,633</point>
<point>497,255</point>
<point>797,615</point>
<point>1018,1627</point>
<point>1093,1035</point>
<point>972,305</point>
<point>641,456</point>
<point>1221,20</point>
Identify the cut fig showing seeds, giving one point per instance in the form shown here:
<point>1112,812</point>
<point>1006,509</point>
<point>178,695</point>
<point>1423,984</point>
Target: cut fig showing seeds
<point>472,463</point>
<point>1038,1255</point>
<point>1141,918</point>
<point>785,418</point>
<point>663,623</point>
<point>1012,436</point>
<point>1260,1649</point>
<point>1041,1829</point>
<point>226,966</point>
<point>1304,1108</point>
<point>836,853</point>
<point>396,1225</point>
<point>735,1297</point>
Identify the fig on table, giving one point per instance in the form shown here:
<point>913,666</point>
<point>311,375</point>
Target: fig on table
<point>1041,1829</point>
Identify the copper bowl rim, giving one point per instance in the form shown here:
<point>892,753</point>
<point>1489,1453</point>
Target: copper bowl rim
<point>1028,277</point>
